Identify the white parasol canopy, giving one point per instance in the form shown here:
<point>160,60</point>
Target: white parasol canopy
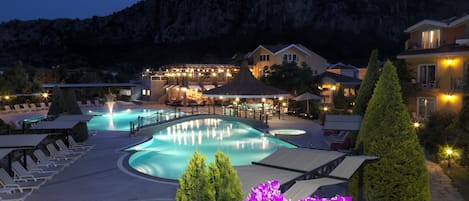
<point>306,97</point>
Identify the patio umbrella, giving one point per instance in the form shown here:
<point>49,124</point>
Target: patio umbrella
<point>306,97</point>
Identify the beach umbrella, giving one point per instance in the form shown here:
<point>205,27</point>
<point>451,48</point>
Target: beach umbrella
<point>306,97</point>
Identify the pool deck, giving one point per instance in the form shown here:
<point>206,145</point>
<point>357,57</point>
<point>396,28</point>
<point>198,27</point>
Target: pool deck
<point>99,176</point>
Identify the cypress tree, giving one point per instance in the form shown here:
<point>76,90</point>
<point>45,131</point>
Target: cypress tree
<point>71,105</point>
<point>194,183</point>
<point>224,179</point>
<point>367,85</point>
<point>386,132</point>
<point>58,102</point>
<point>339,99</point>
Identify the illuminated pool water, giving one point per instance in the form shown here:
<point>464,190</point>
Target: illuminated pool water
<point>166,155</point>
<point>120,119</point>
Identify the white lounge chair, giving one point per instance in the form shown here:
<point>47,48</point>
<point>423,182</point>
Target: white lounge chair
<point>22,173</point>
<point>73,144</point>
<point>38,167</point>
<point>33,107</point>
<point>88,103</point>
<point>43,106</point>
<point>63,148</point>
<point>56,153</point>
<point>50,161</point>
<point>15,196</point>
<point>26,107</point>
<point>18,108</point>
<point>20,184</point>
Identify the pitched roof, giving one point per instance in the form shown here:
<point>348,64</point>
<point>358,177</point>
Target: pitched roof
<point>245,85</point>
<point>340,78</point>
<point>445,23</point>
<point>341,65</point>
<point>279,48</point>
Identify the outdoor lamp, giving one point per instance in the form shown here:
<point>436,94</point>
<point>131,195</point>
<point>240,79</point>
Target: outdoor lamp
<point>45,95</point>
<point>416,124</point>
<point>449,152</point>
<point>325,108</point>
<point>7,97</point>
<point>263,99</point>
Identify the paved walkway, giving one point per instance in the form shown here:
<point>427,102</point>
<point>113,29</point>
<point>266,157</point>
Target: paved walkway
<point>441,187</point>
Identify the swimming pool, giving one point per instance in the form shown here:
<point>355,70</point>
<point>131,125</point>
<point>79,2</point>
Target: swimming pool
<point>167,153</point>
<point>120,119</point>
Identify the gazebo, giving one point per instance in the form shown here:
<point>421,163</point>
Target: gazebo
<point>245,85</point>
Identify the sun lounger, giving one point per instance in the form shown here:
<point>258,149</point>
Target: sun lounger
<point>18,108</point>
<point>50,161</point>
<point>22,173</point>
<point>38,167</point>
<point>26,107</point>
<point>56,153</point>
<point>73,144</point>
<point>33,107</point>
<point>89,104</point>
<point>20,184</point>
<point>15,196</point>
<point>43,106</point>
<point>65,149</point>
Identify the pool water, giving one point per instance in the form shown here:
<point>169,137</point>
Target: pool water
<point>120,119</point>
<point>166,155</point>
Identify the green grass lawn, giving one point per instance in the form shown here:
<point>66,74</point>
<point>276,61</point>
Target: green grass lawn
<point>460,177</point>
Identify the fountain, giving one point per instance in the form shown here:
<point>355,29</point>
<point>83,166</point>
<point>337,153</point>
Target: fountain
<point>110,100</point>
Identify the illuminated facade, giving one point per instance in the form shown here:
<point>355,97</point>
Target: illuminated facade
<point>264,56</point>
<point>184,83</point>
<point>437,52</point>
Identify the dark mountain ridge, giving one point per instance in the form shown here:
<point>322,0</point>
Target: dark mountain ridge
<point>157,32</point>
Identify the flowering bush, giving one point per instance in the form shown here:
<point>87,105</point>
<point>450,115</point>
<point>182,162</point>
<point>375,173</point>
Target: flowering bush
<point>270,192</point>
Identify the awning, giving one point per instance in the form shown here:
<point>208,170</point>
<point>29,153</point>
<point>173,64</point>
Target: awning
<point>307,96</point>
<point>20,141</point>
<point>303,189</point>
<point>4,152</point>
<point>62,125</point>
<point>342,122</point>
<point>78,117</point>
<point>252,175</point>
<point>208,87</point>
<point>349,165</point>
<point>300,159</point>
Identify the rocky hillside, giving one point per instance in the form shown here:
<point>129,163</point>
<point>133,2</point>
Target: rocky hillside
<point>155,32</point>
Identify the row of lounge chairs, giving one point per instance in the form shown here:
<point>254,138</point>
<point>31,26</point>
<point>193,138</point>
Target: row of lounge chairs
<point>88,103</point>
<point>25,108</point>
<point>37,172</point>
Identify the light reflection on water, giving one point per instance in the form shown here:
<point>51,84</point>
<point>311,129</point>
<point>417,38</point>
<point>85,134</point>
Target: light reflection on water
<point>167,153</point>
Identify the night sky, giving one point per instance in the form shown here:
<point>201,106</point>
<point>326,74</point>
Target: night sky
<point>52,9</point>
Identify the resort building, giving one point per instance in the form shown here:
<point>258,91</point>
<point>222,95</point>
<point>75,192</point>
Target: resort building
<point>264,56</point>
<point>331,83</point>
<point>437,52</point>
<point>347,70</point>
<point>183,83</point>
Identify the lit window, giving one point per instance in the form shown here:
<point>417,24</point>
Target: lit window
<point>289,57</point>
<point>427,75</point>
<point>431,39</point>
<point>426,106</point>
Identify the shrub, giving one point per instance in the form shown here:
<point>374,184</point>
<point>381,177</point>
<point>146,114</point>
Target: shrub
<point>386,132</point>
<point>194,183</point>
<point>224,179</point>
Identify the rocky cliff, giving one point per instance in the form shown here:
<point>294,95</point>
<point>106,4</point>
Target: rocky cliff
<point>167,31</point>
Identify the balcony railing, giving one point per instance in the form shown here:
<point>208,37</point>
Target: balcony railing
<point>429,85</point>
<point>460,84</point>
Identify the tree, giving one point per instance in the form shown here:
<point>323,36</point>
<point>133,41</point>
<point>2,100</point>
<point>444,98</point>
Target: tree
<point>405,79</point>
<point>71,105</point>
<point>339,99</point>
<point>58,102</point>
<point>386,132</point>
<point>194,183</point>
<point>224,179</point>
<point>368,84</point>
<point>290,77</point>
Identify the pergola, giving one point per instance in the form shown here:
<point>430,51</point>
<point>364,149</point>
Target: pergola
<point>245,85</point>
<point>9,143</point>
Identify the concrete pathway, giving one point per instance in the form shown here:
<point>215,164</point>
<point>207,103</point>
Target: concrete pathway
<point>441,187</point>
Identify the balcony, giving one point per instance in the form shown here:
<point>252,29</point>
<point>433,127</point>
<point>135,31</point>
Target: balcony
<point>464,40</point>
<point>429,85</point>
<point>461,84</point>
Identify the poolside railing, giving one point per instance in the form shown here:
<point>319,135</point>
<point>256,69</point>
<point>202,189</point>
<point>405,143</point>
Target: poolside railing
<point>161,117</point>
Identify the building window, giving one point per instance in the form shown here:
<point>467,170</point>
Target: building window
<point>431,39</point>
<point>427,75</point>
<point>290,57</point>
<point>349,92</point>
<point>264,57</point>
<point>426,106</point>
<point>146,92</point>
